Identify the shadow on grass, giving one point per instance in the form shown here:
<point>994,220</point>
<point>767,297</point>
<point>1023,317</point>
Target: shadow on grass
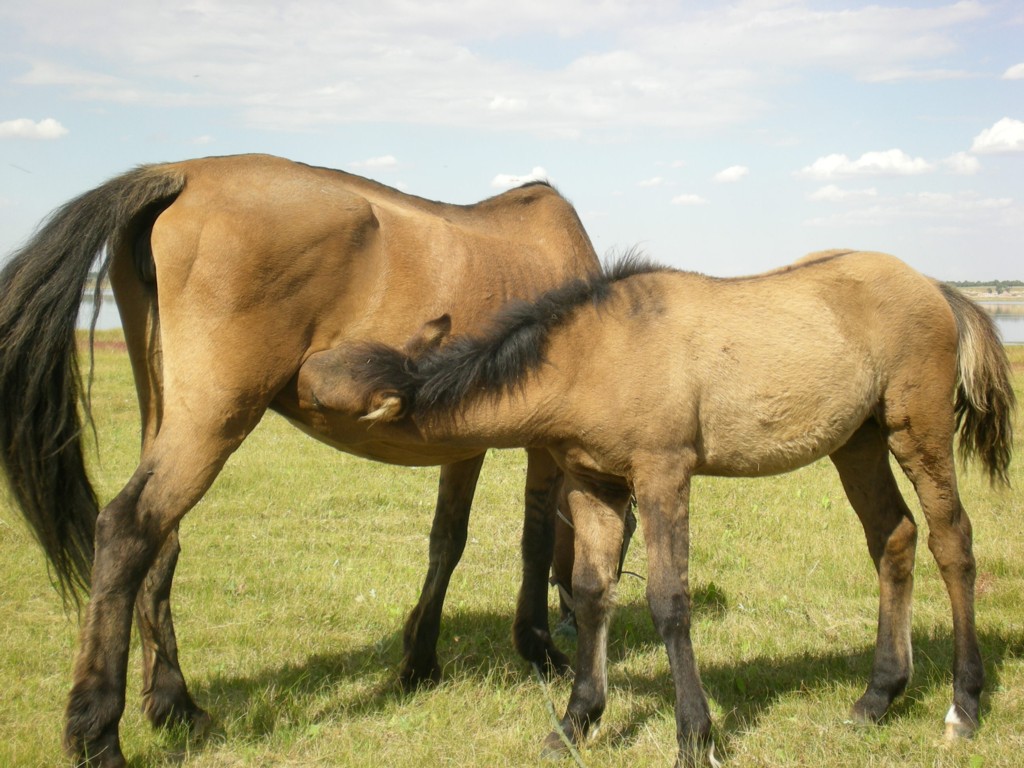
<point>478,646</point>
<point>746,690</point>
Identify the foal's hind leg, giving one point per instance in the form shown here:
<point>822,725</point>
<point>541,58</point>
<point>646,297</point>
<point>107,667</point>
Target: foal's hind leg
<point>864,469</point>
<point>165,696</point>
<point>447,541</point>
<point>925,452</point>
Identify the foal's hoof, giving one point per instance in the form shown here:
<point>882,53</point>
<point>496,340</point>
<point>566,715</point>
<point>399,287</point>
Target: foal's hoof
<point>700,755</point>
<point>869,708</point>
<point>958,725</point>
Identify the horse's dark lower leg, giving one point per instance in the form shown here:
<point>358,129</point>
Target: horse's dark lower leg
<point>891,533</point>
<point>598,542</point>
<point>950,541</point>
<point>165,696</point>
<point>663,507</point>
<point>447,541</point>
<point>531,632</point>
<point>124,552</point>
<point>176,470</point>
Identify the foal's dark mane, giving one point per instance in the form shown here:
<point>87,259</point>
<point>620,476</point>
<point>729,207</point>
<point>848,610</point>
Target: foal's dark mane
<point>438,381</point>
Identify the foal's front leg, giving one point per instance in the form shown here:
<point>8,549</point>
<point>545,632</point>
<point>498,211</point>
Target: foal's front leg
<point>663,499</point>
<point>598,543</point>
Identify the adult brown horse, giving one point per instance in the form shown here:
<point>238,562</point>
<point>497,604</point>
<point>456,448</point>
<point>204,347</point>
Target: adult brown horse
<point>641,378</point>
<point>229,274</point>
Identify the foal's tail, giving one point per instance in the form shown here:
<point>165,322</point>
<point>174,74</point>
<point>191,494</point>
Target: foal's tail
<point>984,396</point>
<point>41,290</point>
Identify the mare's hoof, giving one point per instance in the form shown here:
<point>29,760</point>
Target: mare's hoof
<point>199,724</point>
<point>170,714</point>
<point>556,662</point>
<point>536,646</point>
<point>413,677</point>
<point>106,755</point>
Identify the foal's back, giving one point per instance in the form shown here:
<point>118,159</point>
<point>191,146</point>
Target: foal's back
<point>766,373</point>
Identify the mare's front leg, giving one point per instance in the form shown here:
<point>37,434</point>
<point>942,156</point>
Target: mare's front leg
<point>663,502</point>
<point>531,630</point>
<point>165,696</point>
<point>598,521</point>
<point>447,542</point>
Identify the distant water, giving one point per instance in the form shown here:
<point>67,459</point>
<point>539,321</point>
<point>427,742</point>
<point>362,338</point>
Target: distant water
<point>1009,317</point>
<point>109,318</point>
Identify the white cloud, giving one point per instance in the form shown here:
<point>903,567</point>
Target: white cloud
<point>23,128</point>
<point>1007,135</point>
<point>933,209</point>
<point>307,66</point>
<point>1016,72</point>
<point>507,104</point>
<point>962,164</point>
<point>203,140</point>
<point>688,200</point>
<point>892,162</point>
<point>503,180</point>
<point>656,181</point>
<point>732,173</point>
<point>384,161</point>
<point>43,72</point>
<point>923,75</point>
<point>833,194</point>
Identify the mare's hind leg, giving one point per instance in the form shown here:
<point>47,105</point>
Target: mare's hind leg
<point>864,469</point>
<point>165,696</point>
<point>925,452</point>
<point>174,473</point>
<point>447,541</point>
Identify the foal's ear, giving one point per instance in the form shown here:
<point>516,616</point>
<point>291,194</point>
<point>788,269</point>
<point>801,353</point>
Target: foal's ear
<point>430,336</point>
<point>384,406</point>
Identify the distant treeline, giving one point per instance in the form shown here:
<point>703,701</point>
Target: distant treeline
<point>999,286</point>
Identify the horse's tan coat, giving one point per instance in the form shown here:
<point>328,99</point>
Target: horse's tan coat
<point>232,275</point>
<point>670,375</point>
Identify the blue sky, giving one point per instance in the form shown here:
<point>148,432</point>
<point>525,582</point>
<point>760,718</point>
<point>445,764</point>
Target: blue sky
<point>726,138</point>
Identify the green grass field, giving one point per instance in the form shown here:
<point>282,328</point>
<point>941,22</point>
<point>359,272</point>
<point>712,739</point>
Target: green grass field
<point>299,567</point>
